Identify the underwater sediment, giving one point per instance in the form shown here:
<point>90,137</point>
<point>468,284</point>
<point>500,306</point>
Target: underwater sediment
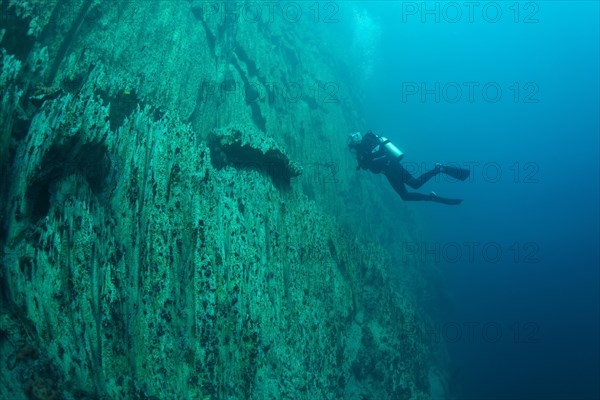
<point>166,236</point>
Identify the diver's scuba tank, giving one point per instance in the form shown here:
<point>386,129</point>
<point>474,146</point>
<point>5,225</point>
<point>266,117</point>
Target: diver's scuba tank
<point>391,148</point>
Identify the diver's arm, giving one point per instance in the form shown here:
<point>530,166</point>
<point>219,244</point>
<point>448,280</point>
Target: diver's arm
<point>362,159</point>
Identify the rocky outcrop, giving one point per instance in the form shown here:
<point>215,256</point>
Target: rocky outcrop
<point>161,245</point>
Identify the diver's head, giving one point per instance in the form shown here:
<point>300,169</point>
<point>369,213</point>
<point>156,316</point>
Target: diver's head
<point>354,139</point>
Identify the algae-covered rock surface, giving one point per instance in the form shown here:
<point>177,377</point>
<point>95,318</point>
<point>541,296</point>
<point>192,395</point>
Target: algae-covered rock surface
<point>169,233</point>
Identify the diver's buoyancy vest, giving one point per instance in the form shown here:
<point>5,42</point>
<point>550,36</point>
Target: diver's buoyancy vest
<point>378,152</point>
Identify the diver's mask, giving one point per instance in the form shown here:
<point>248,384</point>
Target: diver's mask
<point>354,139</point>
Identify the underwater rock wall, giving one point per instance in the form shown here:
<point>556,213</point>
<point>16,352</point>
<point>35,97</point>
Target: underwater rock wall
<point>161,243</point>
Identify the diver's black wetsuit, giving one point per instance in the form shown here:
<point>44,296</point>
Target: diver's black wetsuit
<point>398,176</point>
<point>372,155</point>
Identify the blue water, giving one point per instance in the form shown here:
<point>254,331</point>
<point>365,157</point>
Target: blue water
<point>523,323</point>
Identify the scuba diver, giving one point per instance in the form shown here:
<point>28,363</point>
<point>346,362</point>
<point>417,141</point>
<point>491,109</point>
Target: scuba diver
<point>378,154</point>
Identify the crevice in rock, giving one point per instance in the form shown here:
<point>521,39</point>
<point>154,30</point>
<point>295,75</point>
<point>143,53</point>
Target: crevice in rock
<point>250,65</point>
<point>67,40</point>
<point>198,12</point>
<point>253,101</point>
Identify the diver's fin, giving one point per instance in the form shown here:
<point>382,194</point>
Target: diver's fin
<point>443,200</point>
<point>456,172</point>
<point>451,202</point>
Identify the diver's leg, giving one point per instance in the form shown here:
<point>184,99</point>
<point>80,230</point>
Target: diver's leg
<point>416,183</point>
<point>397,175</point>
<point>399,187</point>
<point>453,171</point>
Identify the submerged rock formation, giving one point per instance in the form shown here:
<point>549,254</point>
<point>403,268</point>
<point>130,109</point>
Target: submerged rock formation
<point>163,239</point>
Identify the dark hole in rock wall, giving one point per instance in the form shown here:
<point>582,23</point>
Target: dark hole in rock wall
<point>121,106</point>
<point>16,40</point>
<point>20,128</point>
<point>89,160</point>
<point>38,198</point>
<point>247,148</point>
<point>245,157</point>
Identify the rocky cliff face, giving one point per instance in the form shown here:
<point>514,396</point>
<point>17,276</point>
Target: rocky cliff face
<point>178,223</point>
